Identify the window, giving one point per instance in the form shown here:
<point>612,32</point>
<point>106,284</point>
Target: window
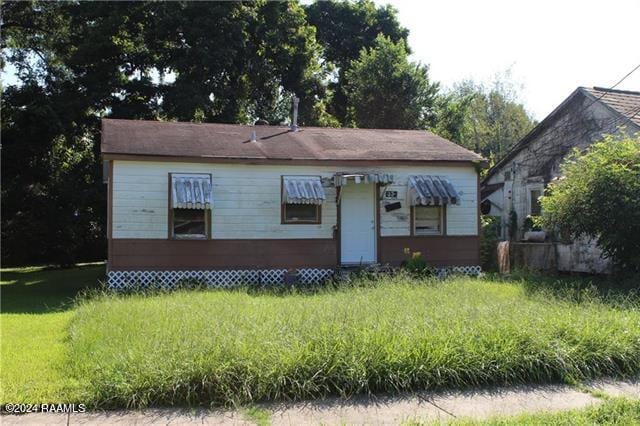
<point>190,202</point>
<point>302,197</point>
<point>535,209</point>
<point>189,223</point>
<point>427,220</point>
<point>300,213</point>
<point>507,175</point>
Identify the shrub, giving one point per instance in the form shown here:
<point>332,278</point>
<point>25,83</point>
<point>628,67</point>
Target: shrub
<point>513,225</point>
<point>532,223</point>
<point>489,243</point>
<point>599,197</point>
<point>416,264</point>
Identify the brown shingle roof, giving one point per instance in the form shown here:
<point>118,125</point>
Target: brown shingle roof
<point>231,141</point>
<point>625,102</point>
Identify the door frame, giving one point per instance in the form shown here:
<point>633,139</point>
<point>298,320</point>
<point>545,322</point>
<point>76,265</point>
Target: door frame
<point>376,227</point>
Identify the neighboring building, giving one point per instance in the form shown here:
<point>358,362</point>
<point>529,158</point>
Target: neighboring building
<point>517,181</point>
<point>227,203</point>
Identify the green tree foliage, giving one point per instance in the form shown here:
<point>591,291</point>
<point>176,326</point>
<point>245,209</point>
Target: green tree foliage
<point>490,230</point>
<point>487,120</point>
<point>79,61</point>
<point>344,28</point>
<point>386,90</point>
<point>599,197</point>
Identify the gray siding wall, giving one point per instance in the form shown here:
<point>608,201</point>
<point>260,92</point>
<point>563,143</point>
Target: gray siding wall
<point>581,123</point>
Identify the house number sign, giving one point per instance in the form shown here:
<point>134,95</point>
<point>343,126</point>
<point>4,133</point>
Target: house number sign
<point>391,194</point>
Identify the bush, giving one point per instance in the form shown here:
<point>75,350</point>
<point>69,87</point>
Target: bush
<point>599,197</point>
<point>513,225</point>
<point>416,264</point>
<point>532,223</point>
<point>489,242</point>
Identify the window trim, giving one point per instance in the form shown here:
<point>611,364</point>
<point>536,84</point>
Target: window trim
<point>443,222</point>
<point>530,189</point>
<point>283,208</point>
<point>170,213</point>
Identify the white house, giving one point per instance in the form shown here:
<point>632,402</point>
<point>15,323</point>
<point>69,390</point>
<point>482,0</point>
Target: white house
<point>230,203</point>
<point>513,186</point>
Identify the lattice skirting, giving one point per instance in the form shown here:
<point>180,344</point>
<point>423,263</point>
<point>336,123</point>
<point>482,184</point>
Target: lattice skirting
<point>134,280</point>
<point>129,280</point>
<point>465,270</point>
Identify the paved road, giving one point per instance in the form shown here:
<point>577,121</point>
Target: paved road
<point>375,411</point>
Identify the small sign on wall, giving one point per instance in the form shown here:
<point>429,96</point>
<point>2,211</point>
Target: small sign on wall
<point>391,195</point>
<point>392,206</point>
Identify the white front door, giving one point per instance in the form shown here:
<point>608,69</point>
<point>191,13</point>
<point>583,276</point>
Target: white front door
<point>357,224</point>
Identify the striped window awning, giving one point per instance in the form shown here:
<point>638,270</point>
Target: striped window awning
<point>302,190</point>
<point>191,191</point>
<point>427,190</point>
<point>342,179</point>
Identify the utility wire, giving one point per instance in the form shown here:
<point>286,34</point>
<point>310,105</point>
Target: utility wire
<point>605,93</point>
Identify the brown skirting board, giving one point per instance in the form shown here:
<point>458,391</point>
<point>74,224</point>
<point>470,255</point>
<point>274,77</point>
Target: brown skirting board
<point>165,254</point>
<point>437,250</point>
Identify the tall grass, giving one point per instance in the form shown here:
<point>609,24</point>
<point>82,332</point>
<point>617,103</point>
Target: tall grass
<point>224,347</point>
<point>613,411</point>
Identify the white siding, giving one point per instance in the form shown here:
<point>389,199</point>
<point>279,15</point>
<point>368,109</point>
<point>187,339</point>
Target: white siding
<point>246,200</point>
<point>462,219</point>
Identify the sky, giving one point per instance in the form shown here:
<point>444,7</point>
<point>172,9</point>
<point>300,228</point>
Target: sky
<point>551,47</point>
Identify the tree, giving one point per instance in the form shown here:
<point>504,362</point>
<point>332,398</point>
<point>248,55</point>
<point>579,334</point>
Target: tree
<point>80,61</point>
<point>599,197</point>
<point>386,90</point>
<point>450,115</point>
<point>344,28</point>
<point>236,62</point>
<point>493,118</point>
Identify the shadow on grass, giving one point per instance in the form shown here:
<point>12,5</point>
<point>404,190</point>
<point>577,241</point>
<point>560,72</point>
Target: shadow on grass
<point>581,288</point>
<point>41,290</point>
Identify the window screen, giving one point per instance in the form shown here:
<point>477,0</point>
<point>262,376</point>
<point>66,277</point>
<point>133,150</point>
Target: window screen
<point>427,220</point>
<point>301,213</point>
<point>535,209</point>
<point>189,223</point>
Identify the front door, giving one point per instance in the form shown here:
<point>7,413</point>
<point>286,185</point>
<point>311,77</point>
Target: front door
<point>357,224</point>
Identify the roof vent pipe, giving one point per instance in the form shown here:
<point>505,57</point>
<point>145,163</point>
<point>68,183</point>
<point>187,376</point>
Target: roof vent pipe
<point>254,138</point>
<point>294,121</point>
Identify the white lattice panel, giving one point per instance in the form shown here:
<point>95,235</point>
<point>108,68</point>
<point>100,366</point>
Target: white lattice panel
<point>130,280</point>
<point>465,270</point>
<point>166,280</point>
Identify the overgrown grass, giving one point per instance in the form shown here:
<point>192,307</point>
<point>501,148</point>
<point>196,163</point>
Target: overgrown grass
<point>36,311</point>
<point>615,411</point>
<point>229,347</point>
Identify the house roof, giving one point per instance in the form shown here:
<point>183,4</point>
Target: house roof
<point>490,189</point>
<point>624,103</point>
<point>231,141</point>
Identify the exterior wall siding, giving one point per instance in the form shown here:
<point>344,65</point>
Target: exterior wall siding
<point>222,254</point>
<point>247,200</point>
<point>539,162</point>
<point>156,254</point>
<point>438,251</point>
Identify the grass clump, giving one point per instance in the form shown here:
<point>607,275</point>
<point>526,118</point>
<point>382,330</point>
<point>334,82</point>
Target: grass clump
<point>236,347</point>
<point>614,411</point>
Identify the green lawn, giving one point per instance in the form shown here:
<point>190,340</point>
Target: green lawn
<point>244,346</point>
<point>36,306</point>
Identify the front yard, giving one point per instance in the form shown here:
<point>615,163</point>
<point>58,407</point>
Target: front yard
<point>242,346</point>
